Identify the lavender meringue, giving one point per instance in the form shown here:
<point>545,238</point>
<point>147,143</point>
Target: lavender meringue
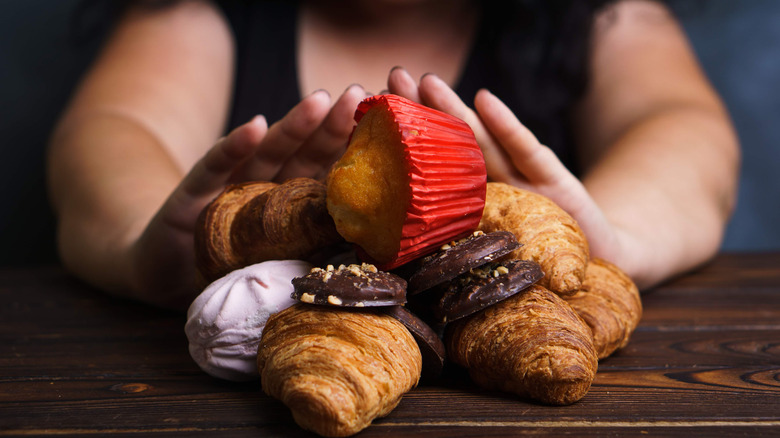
<point>226,321</point>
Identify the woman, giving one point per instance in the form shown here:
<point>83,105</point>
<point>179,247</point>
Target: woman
<point>134,160</point>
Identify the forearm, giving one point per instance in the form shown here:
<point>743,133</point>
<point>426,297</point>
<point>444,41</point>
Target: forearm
<point>145,114</point>
<point>668,186</point>
<point>107,176</point>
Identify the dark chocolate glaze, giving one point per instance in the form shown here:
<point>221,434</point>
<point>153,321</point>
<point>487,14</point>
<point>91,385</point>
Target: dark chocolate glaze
<point>431,346</point>
<point>350,286</point>
<point>470,292</point>
<point>476,250</point>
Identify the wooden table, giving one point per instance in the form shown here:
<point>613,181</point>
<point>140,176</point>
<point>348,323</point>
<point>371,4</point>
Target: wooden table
<point>705,361</point>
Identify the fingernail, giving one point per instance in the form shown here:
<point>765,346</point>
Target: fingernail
<point>402,70</point>
<point>258,119</point>
<point>431,75</point>
<point>351,86</point>
<point>319,91</point>
<point>483,91</point>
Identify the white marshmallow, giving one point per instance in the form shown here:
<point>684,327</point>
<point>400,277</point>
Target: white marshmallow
<point>226,321</point>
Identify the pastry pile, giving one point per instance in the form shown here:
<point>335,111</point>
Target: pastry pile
<point>413,261</point>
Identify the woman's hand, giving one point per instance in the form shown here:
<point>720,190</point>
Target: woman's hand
<point>514,156</point>
<point>304,143</point>
<point>307,141</point>
<point>660,153</point>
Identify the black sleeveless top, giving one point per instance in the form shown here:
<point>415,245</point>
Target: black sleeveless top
<point>532,56</point>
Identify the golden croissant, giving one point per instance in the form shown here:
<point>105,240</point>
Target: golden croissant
<point>337,370</point>
<point>610,304</point>
<point>254,222</point>
<point>549,235</point>
<point>532,344</point>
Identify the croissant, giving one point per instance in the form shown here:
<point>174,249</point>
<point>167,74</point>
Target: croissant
<point>532,344</point>
<point>254,222</point>
<point>549,235</point>
<point>337,370</point>
<point>610,304</point>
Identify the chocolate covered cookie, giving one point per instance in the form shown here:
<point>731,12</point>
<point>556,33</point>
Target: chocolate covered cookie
<point>350,286</point>
<point>431,346</point>
<point>460,256</point>
<point>485,286</point>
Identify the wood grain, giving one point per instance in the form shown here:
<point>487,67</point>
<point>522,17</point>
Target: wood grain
<point>705,361</point>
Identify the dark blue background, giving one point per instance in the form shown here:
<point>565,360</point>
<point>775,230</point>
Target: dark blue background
<point>737,41</point>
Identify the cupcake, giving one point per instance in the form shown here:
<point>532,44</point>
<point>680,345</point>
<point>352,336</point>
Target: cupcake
<point>411,179</point>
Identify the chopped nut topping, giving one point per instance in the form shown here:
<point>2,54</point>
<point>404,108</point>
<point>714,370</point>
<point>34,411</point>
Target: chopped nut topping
<point>485,271</point>
<point>336,301</point>
<point>452,243</point>
<point>482,271</point>
<point>361,270</point>
<point>307,298</point>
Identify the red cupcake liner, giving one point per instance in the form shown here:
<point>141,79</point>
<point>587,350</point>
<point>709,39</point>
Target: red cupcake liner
<point>448,178</point>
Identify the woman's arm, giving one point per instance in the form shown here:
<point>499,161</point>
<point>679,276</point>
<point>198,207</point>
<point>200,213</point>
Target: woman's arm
<point>134,159</point>
<point>660,153</point>
<point>153,103</point>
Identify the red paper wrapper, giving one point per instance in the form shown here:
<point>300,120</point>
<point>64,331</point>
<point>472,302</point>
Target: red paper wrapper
<point>447,177</point>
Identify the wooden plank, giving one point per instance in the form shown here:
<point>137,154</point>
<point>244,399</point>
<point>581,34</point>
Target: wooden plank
<point>748,270</point>
<point>704,361</point>
<point>652,400</point>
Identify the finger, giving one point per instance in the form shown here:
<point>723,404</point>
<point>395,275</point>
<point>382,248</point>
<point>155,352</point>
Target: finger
<point>400,82</point>
<point>210,174</point>
<point>328,142</point>
<point>286,136</point>
<point>435,93</point>
<point>215,169</point>
<point>536,162</point>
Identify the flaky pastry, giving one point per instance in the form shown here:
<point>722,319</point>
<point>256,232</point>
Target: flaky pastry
<point>610,304</point>
<point>337,370</point>
<point>254,222</point>
<point>532,344</point>
<point>549,235</point>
